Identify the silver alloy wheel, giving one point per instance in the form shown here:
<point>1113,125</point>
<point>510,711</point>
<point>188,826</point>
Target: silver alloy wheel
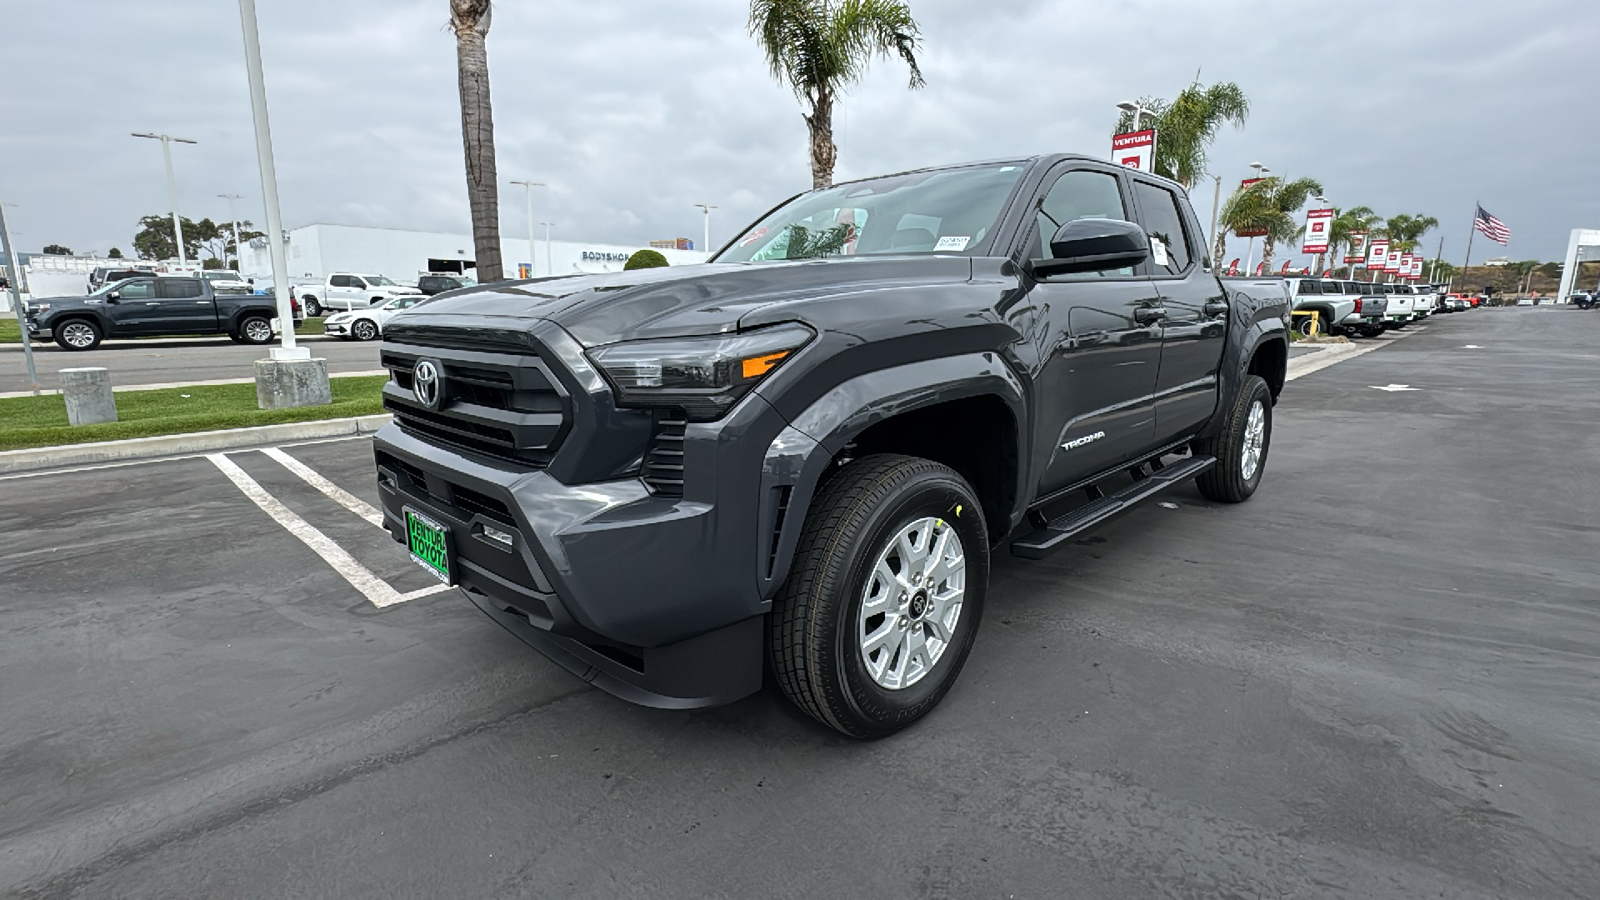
<point>78,335</point>
<point>258,331</point>
<point>912,602</point>
<point>1255,438</point>
<point>364,330</point>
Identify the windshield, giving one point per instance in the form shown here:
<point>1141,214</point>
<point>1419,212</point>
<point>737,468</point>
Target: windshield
<point>943,211</point>
<point>108,287</point>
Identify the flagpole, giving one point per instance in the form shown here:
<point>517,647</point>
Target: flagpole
<point>1433,270</point>
<point>1470,233</point>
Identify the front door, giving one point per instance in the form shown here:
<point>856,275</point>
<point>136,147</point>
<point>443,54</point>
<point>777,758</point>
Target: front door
<point>133,308</point>
<point>1195,326</point>
<point>183,309</point>
<point>1098,347</point>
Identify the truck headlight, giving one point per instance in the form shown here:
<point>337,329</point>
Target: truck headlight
<point>703,375</point>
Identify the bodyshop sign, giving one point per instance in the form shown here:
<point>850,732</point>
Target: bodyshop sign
<point>1135,149</point>
<point>1317,223</point>
<point>604,256</point>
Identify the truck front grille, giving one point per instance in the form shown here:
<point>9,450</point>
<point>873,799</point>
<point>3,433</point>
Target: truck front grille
<point>508,407</point>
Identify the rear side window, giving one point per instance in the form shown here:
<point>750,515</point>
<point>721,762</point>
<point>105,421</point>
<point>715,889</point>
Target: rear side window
<point>339,281</point>
<point>1330,287</point>
<point>1164,223</point>
<point>180,287</point>
<point>1309,287</point>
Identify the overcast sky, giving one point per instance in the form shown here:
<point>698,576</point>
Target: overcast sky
<point>632,111</point>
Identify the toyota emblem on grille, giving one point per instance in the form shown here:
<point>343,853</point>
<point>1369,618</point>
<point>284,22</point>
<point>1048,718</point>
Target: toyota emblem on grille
<point>427,384</point>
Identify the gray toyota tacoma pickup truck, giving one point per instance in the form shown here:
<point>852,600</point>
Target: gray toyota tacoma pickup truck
<point>800,455</point>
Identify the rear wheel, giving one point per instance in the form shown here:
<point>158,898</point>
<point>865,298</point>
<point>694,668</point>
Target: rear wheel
<point>78,334</point>
<point>884,596</point>
<point>312,307</point>
<point>255,330</point>
<point>1241,447</point>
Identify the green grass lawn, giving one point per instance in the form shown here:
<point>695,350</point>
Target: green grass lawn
<point>11,332</point>
<point>42,421</point>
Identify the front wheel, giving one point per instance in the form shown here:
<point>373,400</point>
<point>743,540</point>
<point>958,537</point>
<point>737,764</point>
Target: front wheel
<point>884,596</point>
<point>364,330</point>
<point>78,334</point>
<point>255,330</point>
<point>1241,447</point>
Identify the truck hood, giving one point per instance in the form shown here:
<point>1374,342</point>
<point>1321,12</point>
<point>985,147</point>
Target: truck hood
<point>668,302</point>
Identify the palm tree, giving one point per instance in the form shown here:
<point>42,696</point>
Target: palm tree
<point>820,47</point>
<point>1348,222</point>
<point>1405,230</point>
<point>469,19</point>
<point>1266,208</point>
<point>1284,199</point>
<point>1186,126</point>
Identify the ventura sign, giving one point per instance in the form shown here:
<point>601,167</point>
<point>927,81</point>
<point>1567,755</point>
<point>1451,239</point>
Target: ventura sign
<point>1317,225</point>
<point>1135,149</point>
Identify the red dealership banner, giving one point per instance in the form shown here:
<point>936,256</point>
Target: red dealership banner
<point>1318,222</point>
<point>1358,247</point>
<point>1377,253</point>
<point>1391,263</point>
<point>1135,149</point>
<point>1405,265</point>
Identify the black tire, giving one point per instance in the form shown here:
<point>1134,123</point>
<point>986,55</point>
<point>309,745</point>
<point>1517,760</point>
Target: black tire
<point>1227,481</point>
<point>816,652</point>
<point>1373,331</point>
<point>77,334</point>
<point>312,308</point>
<point>364,330</point>
<point>254,329</point>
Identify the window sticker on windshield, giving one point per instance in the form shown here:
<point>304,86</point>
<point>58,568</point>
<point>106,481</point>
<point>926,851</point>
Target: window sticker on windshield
<point>952,243</point>
<point>753,236</point>
<point>1158,251</point>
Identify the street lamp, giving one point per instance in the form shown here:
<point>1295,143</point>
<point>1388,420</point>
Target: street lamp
<point>1250,255</point>
<point>706,208</point>
<point>234,215</point>
<point>549,267</point>
<point>533,260</point>
<point>1137,109</point>
<point>172,189</point>
<point>14,269</point>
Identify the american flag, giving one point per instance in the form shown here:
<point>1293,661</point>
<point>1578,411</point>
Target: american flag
<point>1492,228</point>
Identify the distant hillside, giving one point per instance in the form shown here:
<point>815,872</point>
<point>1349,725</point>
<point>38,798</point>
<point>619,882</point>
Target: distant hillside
<point>1506,281</point>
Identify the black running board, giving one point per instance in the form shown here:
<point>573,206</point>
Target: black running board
<point>1054,536</point>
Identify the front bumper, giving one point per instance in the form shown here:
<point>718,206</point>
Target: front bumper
<point>336,330</point>
<point>656,599</point>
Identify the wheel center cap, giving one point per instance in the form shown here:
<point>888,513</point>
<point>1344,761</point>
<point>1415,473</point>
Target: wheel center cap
<point>919,604</point>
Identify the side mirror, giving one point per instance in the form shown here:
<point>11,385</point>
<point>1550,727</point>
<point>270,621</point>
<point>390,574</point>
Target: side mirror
<point>1094,245</point>
<point>113,297</point>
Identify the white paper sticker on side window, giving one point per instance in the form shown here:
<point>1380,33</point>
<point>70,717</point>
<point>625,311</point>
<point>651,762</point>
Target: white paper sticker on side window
<point>952,243</point>
<point>1158,251</point>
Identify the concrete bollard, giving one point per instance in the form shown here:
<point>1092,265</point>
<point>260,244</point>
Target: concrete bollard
<point>88,395</point>
<point>289,383</point>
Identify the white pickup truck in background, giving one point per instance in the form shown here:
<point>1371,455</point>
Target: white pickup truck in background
<point>350,290</point>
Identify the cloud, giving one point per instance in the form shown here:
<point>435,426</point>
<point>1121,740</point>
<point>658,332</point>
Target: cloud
<point>634,112</point>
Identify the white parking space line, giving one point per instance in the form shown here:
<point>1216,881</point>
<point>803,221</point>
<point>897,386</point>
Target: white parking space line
<point>371,586</point>
<point>338,494</point>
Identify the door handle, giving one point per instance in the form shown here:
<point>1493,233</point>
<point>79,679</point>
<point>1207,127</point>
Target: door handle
<point>202,302</point>
<point>1215,308</point>
<point>152,303</point>
<point>1146,315</point>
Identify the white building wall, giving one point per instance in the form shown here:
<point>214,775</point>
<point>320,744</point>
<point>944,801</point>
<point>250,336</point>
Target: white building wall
<point>315,251</point>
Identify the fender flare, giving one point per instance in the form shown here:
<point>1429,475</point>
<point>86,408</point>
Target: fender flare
<point>800,455</point>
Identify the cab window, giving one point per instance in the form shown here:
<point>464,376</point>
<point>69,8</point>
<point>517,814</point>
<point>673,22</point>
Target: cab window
<point>177,288</point>
<point>1079,194</point>
<point>1163,220</point>
<point>143,289</point>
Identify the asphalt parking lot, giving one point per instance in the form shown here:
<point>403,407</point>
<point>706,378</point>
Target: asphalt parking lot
<point>1380,677</point>
<point>171,361</point>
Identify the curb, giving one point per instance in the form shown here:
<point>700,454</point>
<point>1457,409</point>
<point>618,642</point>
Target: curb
<point>35,458</point>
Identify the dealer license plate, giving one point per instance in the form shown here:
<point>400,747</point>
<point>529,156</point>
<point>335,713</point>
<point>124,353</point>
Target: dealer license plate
<point>429,544</point>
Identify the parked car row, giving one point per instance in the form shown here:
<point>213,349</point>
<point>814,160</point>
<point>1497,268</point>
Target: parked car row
<point>1365,308</point>
<point>352,290</point>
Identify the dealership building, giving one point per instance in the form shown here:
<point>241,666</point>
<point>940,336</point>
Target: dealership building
<point>315,251</point>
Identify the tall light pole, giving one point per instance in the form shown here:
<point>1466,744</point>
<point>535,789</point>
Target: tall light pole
<point>533,258</point>
<point>706,244</point>
<point>14,268</point>
<point>172,187</point>
<point>1250,255</point>
<point>549,267</point>
<point>234,215</point>
<point>1216,198</point>
<point>269,185</point>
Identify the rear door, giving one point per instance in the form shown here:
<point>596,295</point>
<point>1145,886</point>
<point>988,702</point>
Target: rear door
<point>1196,311</point>
<point>1099,344</point>
<point>183,308</point>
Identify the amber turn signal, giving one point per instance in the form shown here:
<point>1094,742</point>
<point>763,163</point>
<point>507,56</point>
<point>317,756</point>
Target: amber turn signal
<point>757,366</point>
